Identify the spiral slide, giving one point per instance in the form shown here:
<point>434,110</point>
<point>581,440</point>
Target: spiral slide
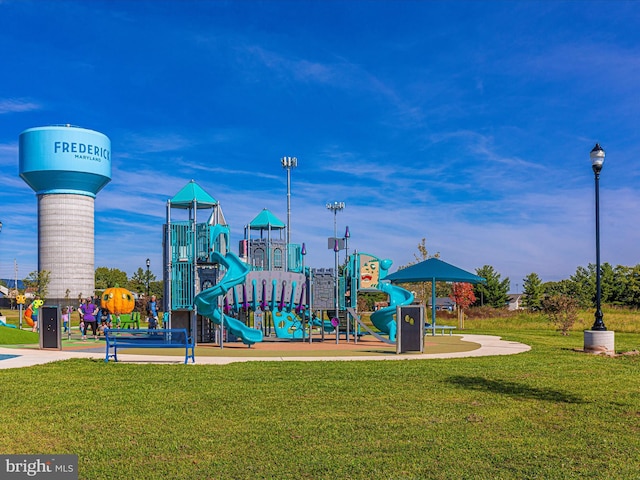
<point>383,319</point>
<point>207,301</point>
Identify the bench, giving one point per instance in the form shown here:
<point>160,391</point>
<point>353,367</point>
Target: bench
<point>442,328</point>
<point>143,338</point>
<point>128,320</point>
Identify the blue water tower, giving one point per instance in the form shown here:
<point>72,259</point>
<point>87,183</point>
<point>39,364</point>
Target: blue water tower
<point>66,166</point>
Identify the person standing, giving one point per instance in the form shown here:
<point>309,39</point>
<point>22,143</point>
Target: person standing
<point>152,310</point>
<point>35,307</point>
<point>88,312</point>
<point>65,319</point>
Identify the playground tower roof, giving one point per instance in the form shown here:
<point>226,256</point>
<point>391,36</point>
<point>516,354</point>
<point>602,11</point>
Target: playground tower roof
<point>266,220</point>
<point>193,193</point>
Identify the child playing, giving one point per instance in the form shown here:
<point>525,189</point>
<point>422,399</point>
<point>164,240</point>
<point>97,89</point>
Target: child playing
<point>65,319</point>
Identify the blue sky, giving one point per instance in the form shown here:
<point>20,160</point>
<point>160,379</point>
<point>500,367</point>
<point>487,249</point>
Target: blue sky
<point>467,123</point>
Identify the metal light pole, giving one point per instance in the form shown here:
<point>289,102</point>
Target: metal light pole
<point>288,163</point>
<point>148,265</point>
<point>335,207</point>
<point>597,160</point>
<point>16,285</point>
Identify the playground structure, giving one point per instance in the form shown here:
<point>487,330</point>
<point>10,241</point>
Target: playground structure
<point>265,291</point>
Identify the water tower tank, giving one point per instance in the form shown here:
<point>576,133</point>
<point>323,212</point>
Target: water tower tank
<point>66,166</point>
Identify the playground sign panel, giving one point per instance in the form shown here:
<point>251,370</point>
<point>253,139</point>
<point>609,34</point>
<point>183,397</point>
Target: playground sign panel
<point>410,329</point>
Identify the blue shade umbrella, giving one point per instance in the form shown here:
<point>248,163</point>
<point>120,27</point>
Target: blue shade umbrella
<point>433,270</point>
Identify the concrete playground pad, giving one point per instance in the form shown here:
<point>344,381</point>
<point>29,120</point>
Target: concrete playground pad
<point>479,346</point>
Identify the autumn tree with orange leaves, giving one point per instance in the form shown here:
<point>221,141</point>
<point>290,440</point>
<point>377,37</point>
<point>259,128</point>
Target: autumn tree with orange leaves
<point>463,296</point>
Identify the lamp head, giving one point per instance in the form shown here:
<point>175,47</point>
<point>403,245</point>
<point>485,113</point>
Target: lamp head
<point>597,158</point>
<point>289,162</point>
<point>335,206</point>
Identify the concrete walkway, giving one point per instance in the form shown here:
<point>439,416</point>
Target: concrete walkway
<point>489,345</point>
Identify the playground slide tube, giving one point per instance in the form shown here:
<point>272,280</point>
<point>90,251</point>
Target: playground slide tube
<point>207,304</point>
<point>384,319</point>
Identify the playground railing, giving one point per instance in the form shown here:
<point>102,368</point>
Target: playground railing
<point>148,338</point>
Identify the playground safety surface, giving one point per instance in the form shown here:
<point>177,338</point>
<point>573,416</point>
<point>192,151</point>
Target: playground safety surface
<point>455,346</point>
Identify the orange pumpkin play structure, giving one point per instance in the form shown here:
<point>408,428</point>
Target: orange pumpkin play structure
<point>118,300</point>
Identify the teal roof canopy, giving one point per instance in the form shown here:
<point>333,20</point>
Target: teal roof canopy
<point>266,219</point>
<point>433,269</point>
<point>193,193</point>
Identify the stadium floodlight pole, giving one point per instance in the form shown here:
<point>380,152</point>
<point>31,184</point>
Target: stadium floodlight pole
<point>336,207</point>
<point>288,163</point>
<point>597,160</point>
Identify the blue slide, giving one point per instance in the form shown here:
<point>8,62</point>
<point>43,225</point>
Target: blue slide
<point>383,319</point>
<point>207,301</point>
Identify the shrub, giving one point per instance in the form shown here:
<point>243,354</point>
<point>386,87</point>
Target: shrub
<point>562,311</point>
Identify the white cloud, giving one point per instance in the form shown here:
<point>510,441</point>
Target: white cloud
<point>17,105</point>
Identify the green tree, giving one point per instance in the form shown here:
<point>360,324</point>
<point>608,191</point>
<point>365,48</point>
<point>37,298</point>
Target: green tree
<point>139,281</point>
<point>423,289</point>
<point>494,292</point>
<point>562,287</point>
<point>584,286</point>
<point>39,281</point>
<point>627,281</point>
<point>533,292</point>
<point>110,277</point>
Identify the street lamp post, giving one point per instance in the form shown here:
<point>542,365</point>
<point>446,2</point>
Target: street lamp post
<point>597,160</point>
<point>336,207</point>
<point>288,163</point>
<point>148,265</point>
<point>598,339</point>
<point>16,285</point>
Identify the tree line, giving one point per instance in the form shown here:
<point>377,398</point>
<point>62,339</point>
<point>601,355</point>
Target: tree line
<point>620,286</point>
<point>110,277</point>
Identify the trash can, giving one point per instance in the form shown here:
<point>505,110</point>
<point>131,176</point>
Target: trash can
<point>50,328</point>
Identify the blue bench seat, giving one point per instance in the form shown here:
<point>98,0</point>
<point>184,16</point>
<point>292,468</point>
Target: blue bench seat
<point>152,338</point>
<point>442,328</point>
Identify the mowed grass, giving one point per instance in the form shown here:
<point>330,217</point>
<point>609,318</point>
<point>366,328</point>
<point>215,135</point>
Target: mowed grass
<point>552,412</point>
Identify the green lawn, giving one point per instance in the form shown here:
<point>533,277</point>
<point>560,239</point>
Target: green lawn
<point>549,413</point>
